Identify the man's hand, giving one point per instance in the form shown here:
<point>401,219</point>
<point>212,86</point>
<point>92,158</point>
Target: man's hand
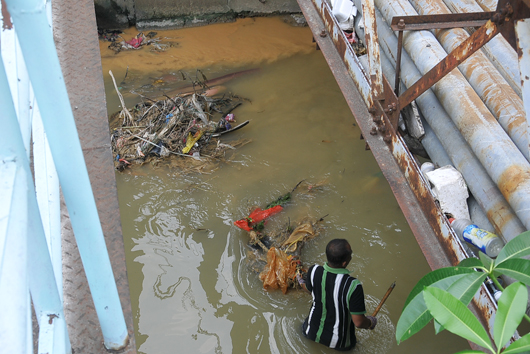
<point>373,321</point>
<point>300,279</point>
<point>362,321</point>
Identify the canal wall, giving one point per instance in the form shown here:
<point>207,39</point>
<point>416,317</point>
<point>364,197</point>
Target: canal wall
<point>164,14</point>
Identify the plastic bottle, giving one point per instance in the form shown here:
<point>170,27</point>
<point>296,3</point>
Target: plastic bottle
<point>485,241</point>
<point>496,293</point>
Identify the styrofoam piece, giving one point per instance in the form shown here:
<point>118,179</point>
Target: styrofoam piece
<point>343,10</point>
<point>450,190</point>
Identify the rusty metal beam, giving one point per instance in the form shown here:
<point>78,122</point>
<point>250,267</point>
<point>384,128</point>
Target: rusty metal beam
<point>439,21</point>
<point>372,46</point>
<point>435,237</point>
<point>337,52</point>
<point>483,35</point>
<point>520,9</point>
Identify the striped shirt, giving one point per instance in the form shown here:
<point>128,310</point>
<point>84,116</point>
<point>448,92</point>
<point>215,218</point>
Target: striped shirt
<point>336,296</point>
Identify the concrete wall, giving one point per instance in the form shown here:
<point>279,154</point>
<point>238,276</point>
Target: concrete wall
<point>166,14</point>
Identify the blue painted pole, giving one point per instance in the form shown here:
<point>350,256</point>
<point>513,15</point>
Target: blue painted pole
<point>13,230</point>
<point>38,267</point>
<point>36,41</point>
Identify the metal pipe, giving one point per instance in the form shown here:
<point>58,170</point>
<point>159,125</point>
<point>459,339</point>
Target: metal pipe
<point>480,184</point>
<point>504,163</point>
<point>522,31</point>
<point>14,217</point>
<point>40,275</point>
<point>48,197</point>
<point>13,259</point>
<point>487,5</point>
<point>485,79</point>
<point>33,30</point>
<point>498,50</point>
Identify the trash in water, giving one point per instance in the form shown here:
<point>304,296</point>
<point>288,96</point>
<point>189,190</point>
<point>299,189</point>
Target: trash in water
<point>181,129</point>
<point>279,251</point>
<point>118,43</point>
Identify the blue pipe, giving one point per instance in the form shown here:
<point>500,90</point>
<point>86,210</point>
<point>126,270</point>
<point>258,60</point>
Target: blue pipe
<point>36,41</point>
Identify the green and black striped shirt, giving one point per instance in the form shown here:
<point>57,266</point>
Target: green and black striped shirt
<point>336,296</point>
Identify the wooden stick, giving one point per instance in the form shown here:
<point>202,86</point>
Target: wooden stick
<point>384,299</point>
<point>124,110</point>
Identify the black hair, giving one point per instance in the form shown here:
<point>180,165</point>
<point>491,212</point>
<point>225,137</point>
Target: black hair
<point>338,251</point>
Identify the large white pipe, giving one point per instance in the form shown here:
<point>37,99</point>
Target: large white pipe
<point>505,164</point>
<point>498,50</point>
<point>481,185</point>
<point>485,79</point>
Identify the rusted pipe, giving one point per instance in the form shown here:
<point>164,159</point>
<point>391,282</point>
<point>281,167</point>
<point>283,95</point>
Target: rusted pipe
<point>498,50</point>
<point>522,31</point>
<point>505,164</point>
<point>480,184</point>
<point>485,79</point>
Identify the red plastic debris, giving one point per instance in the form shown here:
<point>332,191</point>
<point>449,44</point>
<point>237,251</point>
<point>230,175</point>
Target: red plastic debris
<point>257,216</point>
<point>135,42</point>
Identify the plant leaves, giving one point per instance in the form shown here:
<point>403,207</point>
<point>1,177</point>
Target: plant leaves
<point>415,315</point>
<point>471,262</point>
<point>463,289</point>
<point>512,306</point>
<point>471,352</point>
<point>433,277</point>
<point>522,345</point>
<point>486,260</point>
<point>517,268</point>
<point>518,247</point>
<point>455,316</point>
<point>466,287</point>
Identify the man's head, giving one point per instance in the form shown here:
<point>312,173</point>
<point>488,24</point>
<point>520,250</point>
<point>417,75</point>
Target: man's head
<point>338,253</point>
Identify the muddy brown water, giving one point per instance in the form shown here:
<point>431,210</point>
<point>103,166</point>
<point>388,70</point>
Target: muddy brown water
<point>193,286</point>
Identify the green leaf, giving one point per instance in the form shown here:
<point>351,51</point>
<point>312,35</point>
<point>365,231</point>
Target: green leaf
<point>415,315</point>
<point>522,345</point>
<point>518,247</point>
<point>486,261</point>
<point>470,352</point>
<point>472,262</point>
<point>466,287</point>
<point>512,306</point>
<point>455,316</point>
<point>517,268</point>
<point>433,277</point>
<point>438,327</point>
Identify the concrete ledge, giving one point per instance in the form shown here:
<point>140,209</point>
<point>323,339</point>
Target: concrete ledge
<point>165,14</point>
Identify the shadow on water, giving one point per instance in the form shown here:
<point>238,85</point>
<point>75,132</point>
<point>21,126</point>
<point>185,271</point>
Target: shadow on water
<point>194,286</point>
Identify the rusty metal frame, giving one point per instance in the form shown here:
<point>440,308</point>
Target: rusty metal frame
<point>500,21</point>
<point>429,225</point>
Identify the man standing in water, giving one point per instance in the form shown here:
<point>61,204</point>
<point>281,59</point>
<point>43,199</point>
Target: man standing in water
<point>338,300</point>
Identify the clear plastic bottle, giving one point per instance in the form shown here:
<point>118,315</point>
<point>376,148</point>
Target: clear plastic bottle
<point>485,241</point>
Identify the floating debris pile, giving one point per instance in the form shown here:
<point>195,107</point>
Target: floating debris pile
<point>181,128</point>
<point>118,43</point>
<point>279,251</point>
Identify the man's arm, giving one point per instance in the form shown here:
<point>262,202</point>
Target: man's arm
<point>362,321</point>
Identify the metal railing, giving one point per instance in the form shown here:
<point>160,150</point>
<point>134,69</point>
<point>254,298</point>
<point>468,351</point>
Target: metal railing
<point>35,104</point>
